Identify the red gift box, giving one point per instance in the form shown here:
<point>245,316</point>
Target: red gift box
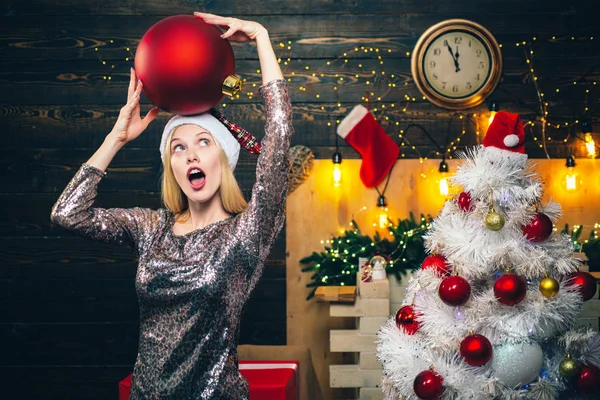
<point>268,380</point>
<point>271,379</point>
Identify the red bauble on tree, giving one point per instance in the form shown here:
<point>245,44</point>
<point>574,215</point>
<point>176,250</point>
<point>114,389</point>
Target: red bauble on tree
<point>429,385</point>
<point>510,289</point>
<point>454,290</point>
<point>585,282</point>
<point>539,229</point>
<point>406,319</point>
<point>588,379</point>
<point>436,262</point>
<point>476,350</point>
<point>465,202</point>
<point>185,66</point>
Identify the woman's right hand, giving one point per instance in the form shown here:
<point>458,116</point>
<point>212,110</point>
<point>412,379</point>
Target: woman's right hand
<point>130,125</point>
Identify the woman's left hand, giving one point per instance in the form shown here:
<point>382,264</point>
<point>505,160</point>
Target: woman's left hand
<point>237,30</point>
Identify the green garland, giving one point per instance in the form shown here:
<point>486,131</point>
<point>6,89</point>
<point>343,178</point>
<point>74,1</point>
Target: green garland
<point>338,264</point>
<point>591,246</point>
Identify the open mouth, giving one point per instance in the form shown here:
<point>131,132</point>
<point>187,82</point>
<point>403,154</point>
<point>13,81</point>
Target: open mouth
<point>196,177</point>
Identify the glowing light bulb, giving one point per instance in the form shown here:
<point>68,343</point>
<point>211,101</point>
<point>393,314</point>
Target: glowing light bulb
<point>382,221</point>
<point>493,110</point>
<point>337,175</point>
<point>444,187</point>
<point>443,180</point>
<point>382,217</point>
<point>571,180</point>
<point>337,171</point>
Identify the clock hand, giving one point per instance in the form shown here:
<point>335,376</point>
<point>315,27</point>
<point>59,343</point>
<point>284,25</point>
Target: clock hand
<point>453,57</point>
<point>456,60</point>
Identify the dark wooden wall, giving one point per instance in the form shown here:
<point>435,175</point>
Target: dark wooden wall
<point>68,313</point>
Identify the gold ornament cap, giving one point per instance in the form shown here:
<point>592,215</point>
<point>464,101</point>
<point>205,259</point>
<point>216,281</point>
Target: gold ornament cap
<point>231,85</point>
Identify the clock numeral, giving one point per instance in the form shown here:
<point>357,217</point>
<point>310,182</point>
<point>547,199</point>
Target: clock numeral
<point>458,40</point>
<point>481,65</point>
<point>444,85</point>
<point>469,42</point>
<point>446,42</point>
<point>436,52</point>
<point>468,85</point>
<point>455,88</point>
<point>432,64</point>
<point>435,76</point>
<point>478,52</point>
<point>478,77</point>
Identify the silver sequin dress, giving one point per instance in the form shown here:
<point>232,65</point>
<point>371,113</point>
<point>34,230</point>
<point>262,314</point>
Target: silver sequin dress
<point>192,288</point>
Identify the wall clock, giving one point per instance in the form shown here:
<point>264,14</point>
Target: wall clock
<point>456,64</point>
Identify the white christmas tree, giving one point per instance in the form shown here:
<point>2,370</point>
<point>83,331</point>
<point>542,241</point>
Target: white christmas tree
<point>490,314</point>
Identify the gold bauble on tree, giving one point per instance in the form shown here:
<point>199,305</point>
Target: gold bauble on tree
<point>549,287</point>
<point>494,221</point>
<point>568,367</point>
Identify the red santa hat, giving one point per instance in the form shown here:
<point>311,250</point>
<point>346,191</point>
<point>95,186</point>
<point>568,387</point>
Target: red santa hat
<point>506,133</point>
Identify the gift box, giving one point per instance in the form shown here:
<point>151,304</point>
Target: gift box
<point>268,380</point>
<point>125,388</point>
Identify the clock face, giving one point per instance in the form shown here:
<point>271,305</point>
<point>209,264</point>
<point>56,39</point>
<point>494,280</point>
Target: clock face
<point>457,64</point>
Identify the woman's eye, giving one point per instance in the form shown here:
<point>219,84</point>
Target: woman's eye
<point>204,142</point>
<point>178,147</point>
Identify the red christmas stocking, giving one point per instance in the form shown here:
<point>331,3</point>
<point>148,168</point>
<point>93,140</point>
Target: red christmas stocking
<point>378,151</point>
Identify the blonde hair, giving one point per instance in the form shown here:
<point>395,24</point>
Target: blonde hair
<point>175,199</point>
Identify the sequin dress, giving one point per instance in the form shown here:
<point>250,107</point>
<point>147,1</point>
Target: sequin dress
<point>191,288</point>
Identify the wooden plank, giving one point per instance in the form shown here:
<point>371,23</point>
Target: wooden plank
<point>77,37</point>
<point>82,82</point>
<point>131,170</point>
<point>64,258</point>
<point>29,215</point>
<point>344,294</point>
<point>81,344</point>
<point>67,301</point>
<point>250,7</point>
<point>32,300</point>
<point>40,170</point>
<point>54,382</point>
<point>79,127</point>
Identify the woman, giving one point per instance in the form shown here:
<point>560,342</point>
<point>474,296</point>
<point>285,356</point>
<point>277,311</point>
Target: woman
<point>201,257</point>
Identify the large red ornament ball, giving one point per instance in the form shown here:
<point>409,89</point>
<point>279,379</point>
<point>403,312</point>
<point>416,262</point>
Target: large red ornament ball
<point>539,229</point>
<point>407,319</point>
<point>436,262</point>
<point>429,385</point>
<point>476,350</point>
<point>588,379</point>
<point>183,62</point>
<point>586,284</point>
<point>510,289</point>
<point>454,290</point>
<point>465,202</point>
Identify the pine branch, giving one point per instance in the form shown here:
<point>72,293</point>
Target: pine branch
<point>337,265</point>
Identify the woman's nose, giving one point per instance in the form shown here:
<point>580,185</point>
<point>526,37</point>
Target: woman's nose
<point>191,156</point>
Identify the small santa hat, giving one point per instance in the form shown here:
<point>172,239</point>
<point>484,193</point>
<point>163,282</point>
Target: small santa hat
<point>506,133</point>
